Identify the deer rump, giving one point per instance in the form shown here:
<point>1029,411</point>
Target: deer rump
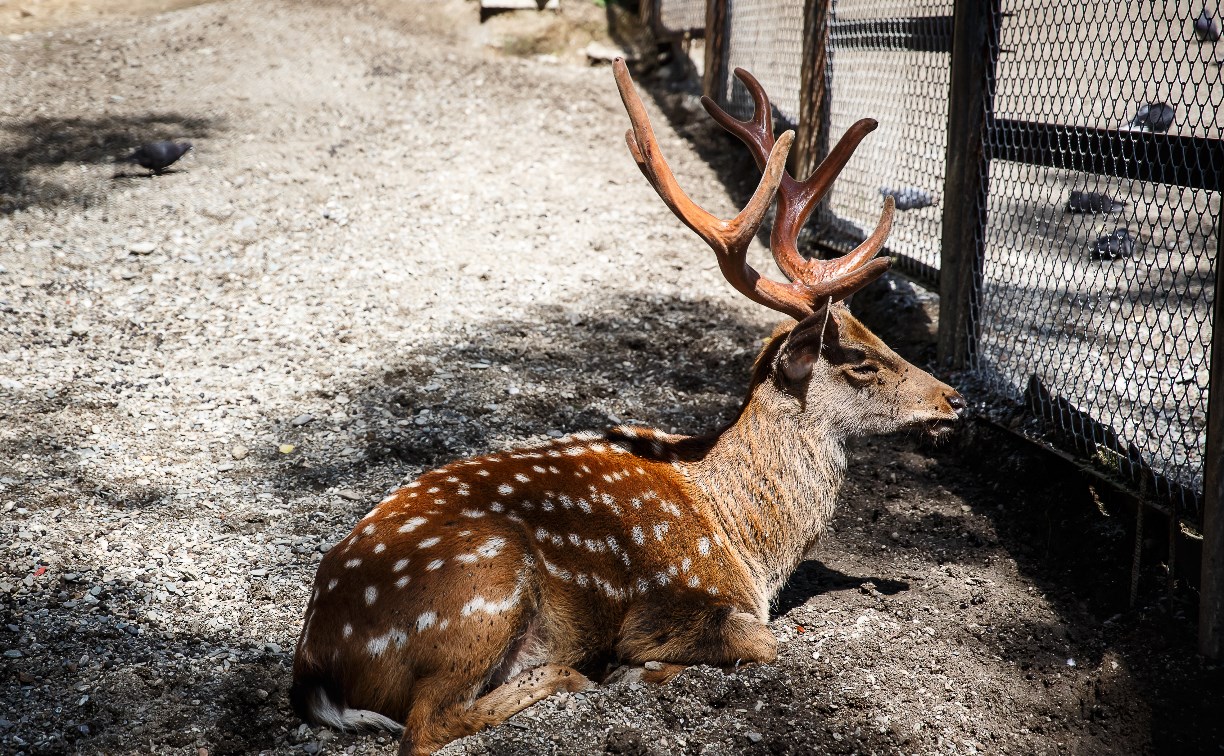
<point>490,583</point>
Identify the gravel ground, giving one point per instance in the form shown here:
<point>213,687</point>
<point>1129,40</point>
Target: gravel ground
<point>396,244</point>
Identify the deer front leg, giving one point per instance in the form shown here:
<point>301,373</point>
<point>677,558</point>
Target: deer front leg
<point>681,633</point>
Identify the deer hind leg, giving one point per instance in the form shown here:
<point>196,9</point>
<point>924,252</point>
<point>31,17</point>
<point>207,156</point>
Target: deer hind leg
<point>696,632</point>
<point>431,726</point>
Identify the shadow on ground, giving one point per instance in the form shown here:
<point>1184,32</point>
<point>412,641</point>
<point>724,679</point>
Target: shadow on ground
<point>36,144</point>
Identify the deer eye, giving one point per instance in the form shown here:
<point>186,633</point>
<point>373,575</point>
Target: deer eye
<point>865,369</point>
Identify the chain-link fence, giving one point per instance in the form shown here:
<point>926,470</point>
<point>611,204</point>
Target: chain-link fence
<point>1094,142</point>
<point>679,16</point>
<point>1098,274</point>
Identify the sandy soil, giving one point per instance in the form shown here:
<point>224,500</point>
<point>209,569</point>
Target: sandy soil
<point>403,238</point>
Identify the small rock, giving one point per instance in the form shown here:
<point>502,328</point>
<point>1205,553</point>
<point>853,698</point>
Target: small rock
<point>261,572</point>
<point>597,53</point>
<point>27,282</point>
<point>653,666</point>
<point>13,653</point>
<point>302,419</point>
<point>25,678</point>
<point>286,448</point>
<point>345,493</point>
<point>755,737</point>
<point>141,248</point>
<point>239,451</point>
<point>225,467</point>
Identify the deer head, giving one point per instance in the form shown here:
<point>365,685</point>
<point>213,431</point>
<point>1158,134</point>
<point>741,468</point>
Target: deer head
<point>828,367</point>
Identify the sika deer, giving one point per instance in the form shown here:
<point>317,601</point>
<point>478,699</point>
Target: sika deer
<point>491,583</point>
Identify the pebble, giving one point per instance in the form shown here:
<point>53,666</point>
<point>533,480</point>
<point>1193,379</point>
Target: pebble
<point>261,572</point>
<point>302,419</point>
<point>349,494</point>
<point>755,737</point>
<point>141,248</point>
<point>13,653</point>
<point>238,451</point>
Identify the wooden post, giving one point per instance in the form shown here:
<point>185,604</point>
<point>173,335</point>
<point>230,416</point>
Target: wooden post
<point>812,134</point>
<point>970,106</point>
<point>715,50</point>
<point>1211,594</point>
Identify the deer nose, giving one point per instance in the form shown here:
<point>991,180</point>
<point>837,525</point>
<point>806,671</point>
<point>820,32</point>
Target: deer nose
<point>956,402</point>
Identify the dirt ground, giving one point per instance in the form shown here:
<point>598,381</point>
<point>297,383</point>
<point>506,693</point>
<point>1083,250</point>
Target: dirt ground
<point>404,237</point>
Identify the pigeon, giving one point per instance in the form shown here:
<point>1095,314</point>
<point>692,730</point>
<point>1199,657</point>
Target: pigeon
<point>1093,202</point>
<point>1113,246</point>
<point>1154,117</point>
<point>910,197</point>
<point>158,156</point>
<point>1205,28</point>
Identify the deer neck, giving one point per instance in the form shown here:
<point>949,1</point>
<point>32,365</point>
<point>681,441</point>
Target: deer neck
<point>772,480</point>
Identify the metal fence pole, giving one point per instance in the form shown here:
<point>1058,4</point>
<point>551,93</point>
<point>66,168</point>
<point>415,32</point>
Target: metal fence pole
<point>1211,596</point>
<point>715,49</point>
<point>966,181</point>
<point>812,133</point>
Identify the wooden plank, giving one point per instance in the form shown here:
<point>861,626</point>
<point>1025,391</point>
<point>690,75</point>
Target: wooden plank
<point>922,34</point>
<point>1211,592</point>
<point>520,5</point>
<point>715,50</point>
<point>812,134</point>
<point>966,182</point>
<point>1161,158</point>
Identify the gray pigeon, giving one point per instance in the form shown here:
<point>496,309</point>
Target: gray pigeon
<point>1155,117</point>
<point>158,156</point>
<point>1205,28</point>
<point>1093,202</point>
<point>910,197</point>
<point>1113,246</point>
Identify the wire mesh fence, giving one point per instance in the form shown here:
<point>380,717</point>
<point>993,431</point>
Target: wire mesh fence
<point>889,60</point>
<point>680,16</point>
<point>1101,167</point>
<point>766,38</point>
<point>1098,275</point>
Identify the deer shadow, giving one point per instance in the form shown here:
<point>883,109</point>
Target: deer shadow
<point>813,578</point>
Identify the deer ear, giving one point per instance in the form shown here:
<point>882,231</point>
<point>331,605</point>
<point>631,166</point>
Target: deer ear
<point>804,344</point>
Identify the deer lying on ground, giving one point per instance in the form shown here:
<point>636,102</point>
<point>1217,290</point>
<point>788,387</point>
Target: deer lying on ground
<point>491,583</point>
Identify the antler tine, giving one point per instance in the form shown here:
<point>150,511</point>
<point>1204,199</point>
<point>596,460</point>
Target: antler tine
<point>756,132</point>
<point>730,238</point>
<point>796,200</point>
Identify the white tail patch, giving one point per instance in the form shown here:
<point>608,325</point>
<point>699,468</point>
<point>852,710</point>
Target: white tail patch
<point>323,711</point>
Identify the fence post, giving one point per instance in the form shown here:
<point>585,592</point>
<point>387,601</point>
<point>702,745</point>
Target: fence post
<point>715,49</point>
<point>812,133</point>
<point>1211,594</point>
<point>970,106</point>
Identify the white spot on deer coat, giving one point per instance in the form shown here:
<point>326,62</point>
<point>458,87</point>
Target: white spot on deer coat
<point>368,529</point>
<point>685,564</point>
<point>377,645</point>
<point>473,513</point>
<point>541,534</point>
<point>467,558</point>
<point>371,594</point>
<point>538,469</point>
<point>399,566</point>
<point>521,478</point>
<point>332,583</point>
<point>434,565</point>
<point>693,582</point>
<point>638,537</point>
<point>403,581</point>
<point>428,542</point>
<point>350,564</point>
<point>425,620</point>
<point>660,530</point>
<point>433,489</point>
<point>575,539</point>
<point>380,548</point>
<point>505,490</point>
<point>348,630</point>
<point>483,473</point>
<point>452,479</point>
<point>703,546</point>
<point>491,547</point>
<point>411,525</point>
<point>496,507</point>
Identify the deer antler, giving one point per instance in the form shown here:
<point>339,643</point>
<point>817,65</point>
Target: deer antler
<point>728,238</point>
<point>825,278</point>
